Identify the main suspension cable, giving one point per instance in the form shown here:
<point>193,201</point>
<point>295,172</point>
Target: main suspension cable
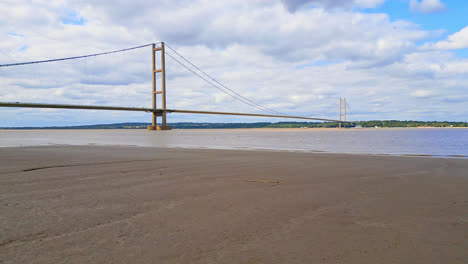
<point>76,57</point>
<point>224,86</point>
<point>222,90</point>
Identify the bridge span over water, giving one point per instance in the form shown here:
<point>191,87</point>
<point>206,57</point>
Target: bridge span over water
<point>163,111</point>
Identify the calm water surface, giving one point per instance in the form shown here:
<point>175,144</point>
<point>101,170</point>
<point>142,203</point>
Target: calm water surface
<point>437,142</point>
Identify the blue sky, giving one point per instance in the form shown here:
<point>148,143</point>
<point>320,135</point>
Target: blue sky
<point>451,19</point>
<point>391,59</point>
<point>71,17</point>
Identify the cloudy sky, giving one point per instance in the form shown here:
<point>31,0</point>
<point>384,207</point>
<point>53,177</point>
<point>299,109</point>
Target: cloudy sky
<point>391,59</point>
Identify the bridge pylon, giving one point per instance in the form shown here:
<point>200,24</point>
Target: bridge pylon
<point>162,92</point>
<point>342,107</point>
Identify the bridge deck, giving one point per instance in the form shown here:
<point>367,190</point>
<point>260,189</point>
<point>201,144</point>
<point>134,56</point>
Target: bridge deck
<point>158,111</point>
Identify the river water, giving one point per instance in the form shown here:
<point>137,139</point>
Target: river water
<point>447,142</point>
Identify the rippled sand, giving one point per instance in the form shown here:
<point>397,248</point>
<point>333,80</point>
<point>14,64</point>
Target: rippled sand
<point>89,204</point>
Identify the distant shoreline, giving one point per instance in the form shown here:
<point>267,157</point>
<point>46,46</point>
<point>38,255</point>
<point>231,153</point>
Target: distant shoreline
<point>321,128</point>
<point>260,125</point>
<point>245,129</point>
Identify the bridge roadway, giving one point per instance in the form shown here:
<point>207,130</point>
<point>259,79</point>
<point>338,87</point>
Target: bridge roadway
<point>157,111</point>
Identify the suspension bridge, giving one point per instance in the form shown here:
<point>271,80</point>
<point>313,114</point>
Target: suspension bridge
<point>162,111</point>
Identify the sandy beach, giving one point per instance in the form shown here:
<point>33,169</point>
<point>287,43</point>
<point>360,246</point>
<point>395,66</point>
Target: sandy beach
<point>95,204</point>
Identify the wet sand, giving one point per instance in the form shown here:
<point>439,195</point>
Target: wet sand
<point>90,204</point>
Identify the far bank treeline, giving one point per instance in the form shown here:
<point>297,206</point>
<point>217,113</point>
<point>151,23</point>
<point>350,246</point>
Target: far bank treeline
<point>188,125</point>
<point>372,123</point>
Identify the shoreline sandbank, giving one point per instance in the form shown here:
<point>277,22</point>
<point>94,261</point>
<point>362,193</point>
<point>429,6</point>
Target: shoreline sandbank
<point>108,204</point>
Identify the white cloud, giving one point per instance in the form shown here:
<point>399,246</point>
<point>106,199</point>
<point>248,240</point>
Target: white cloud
<point>293,5</point>
<point>458,40</point>
<point>427,6</point>
<point>254,47</point>
<point>421,93</point>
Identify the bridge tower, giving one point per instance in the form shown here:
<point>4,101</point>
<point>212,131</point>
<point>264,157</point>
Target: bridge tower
<point>162,92</point>
<point>342,107</point>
